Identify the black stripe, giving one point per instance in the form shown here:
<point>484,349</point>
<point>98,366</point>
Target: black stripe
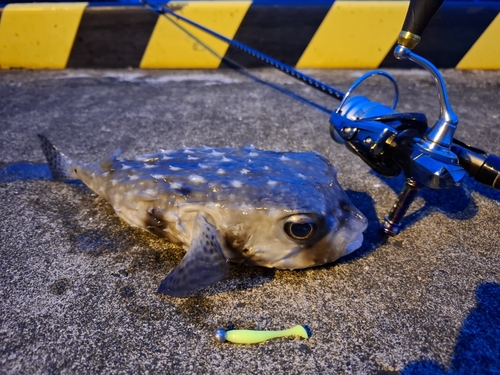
<point>278,31</point>
<point>450,34</point>
<point>112,37</point>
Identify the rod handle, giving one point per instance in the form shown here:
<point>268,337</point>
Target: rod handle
<point>418,16</point>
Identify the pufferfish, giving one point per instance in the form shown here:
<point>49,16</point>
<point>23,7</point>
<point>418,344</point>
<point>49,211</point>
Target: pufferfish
<point>283,210</point>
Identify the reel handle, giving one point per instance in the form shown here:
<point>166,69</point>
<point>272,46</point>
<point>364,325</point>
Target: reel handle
<point>418,16</point>
<point>483,167</point>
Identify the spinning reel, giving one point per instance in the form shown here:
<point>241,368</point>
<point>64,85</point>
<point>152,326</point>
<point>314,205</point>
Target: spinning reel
<point>391,142</point>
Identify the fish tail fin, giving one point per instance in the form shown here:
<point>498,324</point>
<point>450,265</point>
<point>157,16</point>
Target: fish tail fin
<point>59,164</point>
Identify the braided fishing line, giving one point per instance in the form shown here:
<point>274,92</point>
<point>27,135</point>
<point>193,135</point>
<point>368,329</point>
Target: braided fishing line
<point>169,14</point>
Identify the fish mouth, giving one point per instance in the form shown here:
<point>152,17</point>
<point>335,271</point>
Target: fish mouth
<point>354,245</point>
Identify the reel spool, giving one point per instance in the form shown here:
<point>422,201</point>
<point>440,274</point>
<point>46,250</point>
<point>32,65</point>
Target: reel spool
<point>369,129</point>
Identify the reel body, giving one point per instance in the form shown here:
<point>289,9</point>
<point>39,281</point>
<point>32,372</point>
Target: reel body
<point>370,129</point>
<point>392,142</point>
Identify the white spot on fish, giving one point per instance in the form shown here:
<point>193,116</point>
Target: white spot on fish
<point>216,153</point>
<point>150,192</point>
<point>245,208</point>
<point>266,168</point>
<point>105,174</point>
<point>221,171</point>
<point>236,184</point>
<point>133,178</point>
<point>203,166</point>
<point>226,159</point>
<point>271,182</point>
<point>165,157</point>
<point>244,171</point>
<point>175,169</point>
<point>159,176</point>
<point>113,182</point>
<point>176,185</point>
<point>284,158</point>
<point>192,158</point>
<point>301,176</point>
<point>188,151</point>
<point>124,166</point>
<point>149,165</point>
<point>253,154</point>
<point>272,211</point>
<point>196,179</point>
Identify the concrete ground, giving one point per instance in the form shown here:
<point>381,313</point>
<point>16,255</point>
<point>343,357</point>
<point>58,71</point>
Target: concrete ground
<point>77,285</point>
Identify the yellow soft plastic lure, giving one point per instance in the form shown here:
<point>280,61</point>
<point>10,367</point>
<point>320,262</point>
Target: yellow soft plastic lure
<point>243,336</point>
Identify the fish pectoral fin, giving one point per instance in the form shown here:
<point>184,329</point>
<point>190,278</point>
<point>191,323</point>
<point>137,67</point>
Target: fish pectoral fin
<point>204,263</point>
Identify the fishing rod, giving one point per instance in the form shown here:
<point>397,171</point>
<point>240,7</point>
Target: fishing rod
<point>392,142</point>
<point>323,87</point>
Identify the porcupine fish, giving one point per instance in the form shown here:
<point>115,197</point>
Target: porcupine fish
<point>281,210</point>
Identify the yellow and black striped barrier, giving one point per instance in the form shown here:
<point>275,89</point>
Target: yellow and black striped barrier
<point>344,34</point>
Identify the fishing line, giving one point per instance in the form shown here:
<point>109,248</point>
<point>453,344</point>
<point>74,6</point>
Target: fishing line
<point>168,14</point>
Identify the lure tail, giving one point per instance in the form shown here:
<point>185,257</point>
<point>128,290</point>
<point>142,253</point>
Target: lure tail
<point>59,164</point>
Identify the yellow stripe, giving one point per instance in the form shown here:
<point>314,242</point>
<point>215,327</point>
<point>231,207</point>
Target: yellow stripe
<point>170,47</point>
<point>355,34</point>
<point>485,53</point>
<point>38,35</point>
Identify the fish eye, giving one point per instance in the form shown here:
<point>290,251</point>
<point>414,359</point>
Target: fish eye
<point>300,227</point>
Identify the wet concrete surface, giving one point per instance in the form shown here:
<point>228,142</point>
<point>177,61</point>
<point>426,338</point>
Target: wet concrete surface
<point>78,285</point>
